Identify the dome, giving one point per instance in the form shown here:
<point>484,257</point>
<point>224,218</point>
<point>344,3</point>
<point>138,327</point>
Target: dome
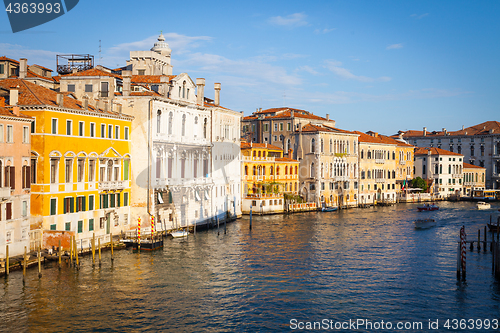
<point>160,46</point>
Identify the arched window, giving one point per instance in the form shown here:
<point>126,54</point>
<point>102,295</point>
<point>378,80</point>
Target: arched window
<point>312,170</point>
<point>183,125</point>
<point>331,145</point>
<point>362,153</point>
<point>246,170</point>
<point>254,170</point>
<point>459,149</point>
<point>471,150</point>
<point>313,145</point>
<point>184,89</point>
<point>286,170</point>
<point>158,122</point>
<point>205,128</point>
<point>271,171</point>
<point>393,174</point>
<point>369,174</point>
<point>277,171</point>
<point>322,168</point>
<point>322,145</point>
<point>296,174</point>
<point>369,154</point>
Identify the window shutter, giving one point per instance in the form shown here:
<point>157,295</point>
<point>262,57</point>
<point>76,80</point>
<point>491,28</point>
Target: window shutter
<point>28,177</point>
<point>72,205</point>
<point>13,177</point>
<point>23,171</point>
<point>52,206</point>
<point>6,176</point>
<point>8,209</point>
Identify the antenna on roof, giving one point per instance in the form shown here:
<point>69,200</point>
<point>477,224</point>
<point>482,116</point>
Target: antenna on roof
<point>100,57</point>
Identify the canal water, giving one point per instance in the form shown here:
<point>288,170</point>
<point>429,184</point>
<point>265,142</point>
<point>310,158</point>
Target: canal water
<point>287,273</point>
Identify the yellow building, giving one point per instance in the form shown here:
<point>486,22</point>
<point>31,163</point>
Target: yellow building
<point>266,176</point>
<point>474,179</point>
<point>80,164</point>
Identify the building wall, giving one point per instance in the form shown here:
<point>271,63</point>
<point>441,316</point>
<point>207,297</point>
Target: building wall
<point>14,156</point>
<point>446,171</point>
<point>474,179</point>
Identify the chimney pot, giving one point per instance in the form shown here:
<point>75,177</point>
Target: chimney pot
<point>217,94</point>
<point>23,68</point>
<point>14,96</point>
<point>127,79</point>
<point>425,131</point>
<point>74,70</point>
<point>85,101</point>
<point>327,116</point>
<point>60,100</point>
<point>200,96</point>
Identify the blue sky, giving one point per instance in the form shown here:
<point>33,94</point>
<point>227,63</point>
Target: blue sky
<point>371,65</point>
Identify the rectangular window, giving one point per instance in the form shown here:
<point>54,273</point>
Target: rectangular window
<point>71,87</point>
<point>53,206</point>
<point>281,126</point>
<point>81,128</point>
<point>10,134</point>
<point>33,126</point>
<point>68,226</point>
<point>68,127</point>
<point>91,225</point>
<point>117,132</point>
<point>26,176</point>
<point>53,227</point>
<point>88,88</point>
<point>81,170</point>
<point>103,130</point>
<point>26,134</point>
<point>126,133</point>
<point>112,200</point>
<point>25,208</point>
<point>53,170</point>
<point>8,210</point>
<point>2,69</point>
<point>54,125</point>
<point>80,226</point>
<point>91,202</point>
<point>289,126</point>
<point>92,130</point>
<point>266,127</point>
<point>80,204</point>
<point>110,131</point>
<point>125,199</point>
<point>91,170</point>
<point>68,170</point>
<point>1,133</point>
<point>104,89</point>
<point>275,127</point>
<point>125,169</point>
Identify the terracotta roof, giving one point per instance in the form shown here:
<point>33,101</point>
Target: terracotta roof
<point>249,117</point>
<point>45,68</point>
<point>434,151</point>
<point>144,93</point>
<point>381,139</point>
<point>479,129</point>
<point>285,159</point>
<point>56,78</point>
<point>9,113</point>
<point>4,58</point>
<point>245,145</point>
<point>33,94</point>
<point>470,166</point>
<point>93,72</point>
<point>149,79</point>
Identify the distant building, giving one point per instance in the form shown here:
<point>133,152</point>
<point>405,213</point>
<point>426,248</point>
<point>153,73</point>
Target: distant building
<point>474,179</point>
<point>14,179</point>
<point>266,176</point>
<point>479,144</point>
<point>34,73</point>
<point>444,168</point>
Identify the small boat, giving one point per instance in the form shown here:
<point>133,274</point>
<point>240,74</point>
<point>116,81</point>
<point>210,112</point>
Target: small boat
<point>483,205</point>
<point>424,224</point>
<point>148,245</point>
<point>492,227</point>
<point>427,207</point>
<point>329,209</point>
<point>179,233</point>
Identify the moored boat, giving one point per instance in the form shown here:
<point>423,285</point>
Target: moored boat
<point>329,209</point>
<point>483,205</point>
<point>425,223</point>
<point>427,207</point>
<point>179,233</point>
<point>492,227</point>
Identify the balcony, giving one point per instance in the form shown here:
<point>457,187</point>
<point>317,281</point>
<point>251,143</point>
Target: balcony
<point>402,162</point>
<point>113,185</point>
<point>4,192</point>
<point>164,182</point>
<point>456,175</point>
<point>258,159</point>
<point>379,160</point>
<point>341,179</point>
<point>379,180</point>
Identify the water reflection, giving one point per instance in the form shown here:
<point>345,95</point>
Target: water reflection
<point>364,263</point>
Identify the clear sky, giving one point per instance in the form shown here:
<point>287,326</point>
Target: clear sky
<point>371,65</point>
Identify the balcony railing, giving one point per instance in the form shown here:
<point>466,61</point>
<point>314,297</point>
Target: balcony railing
<point>379,180</point>
<point>113,185</point>
<point>402,162</point>
<point>163,182</point>
<point>379,160</point>
<point>258,159</point>
<point>456,175</point>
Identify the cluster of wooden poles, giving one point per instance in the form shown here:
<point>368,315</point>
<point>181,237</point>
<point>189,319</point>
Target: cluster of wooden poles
<point>494,246</point>
<point>73,255</point>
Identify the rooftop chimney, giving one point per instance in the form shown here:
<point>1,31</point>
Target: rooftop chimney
<point>74,70</point>
<point>200,96</point>
<point>292,114</point>
<point>127,78</point>
<point>85,101</point>
<point>14,96</point>
<point>16,111</point>
<point>425,131</point>
<point>445,131</point>
<point>327,116</point>
<point>23,68</point>
<point>60,100</point>
<point>463,127</point>
<point>217,94</point>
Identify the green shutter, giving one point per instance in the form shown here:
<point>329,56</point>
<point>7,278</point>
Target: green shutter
<point>91,224</point>
<point>112,203</point>
<point>118,197</point>
<point>125,199</point>
<point>53,207</point>
<point>71,205</point>
<point>125,169</point>
<point>84,204</point>
<point>53,227</point>
<point>68,226</point>
<point>64,205</point>
<point>91,202</point>
<point>80,227</point>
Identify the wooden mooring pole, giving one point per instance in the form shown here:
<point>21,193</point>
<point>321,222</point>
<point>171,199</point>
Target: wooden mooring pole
<point>24,264</point>
<point>99,249</point>
<point>111,239</point>
<point>485,239</point>
<point>7,261</point>
<point>250,226</point>
<point>93,249</point>
<point>463,251</point>
<point>39,263</point>
<point>71,251</point>
<point>478,240</point>
<point>76,253</point>
<point>60,253</point>
<point>217,225</point>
